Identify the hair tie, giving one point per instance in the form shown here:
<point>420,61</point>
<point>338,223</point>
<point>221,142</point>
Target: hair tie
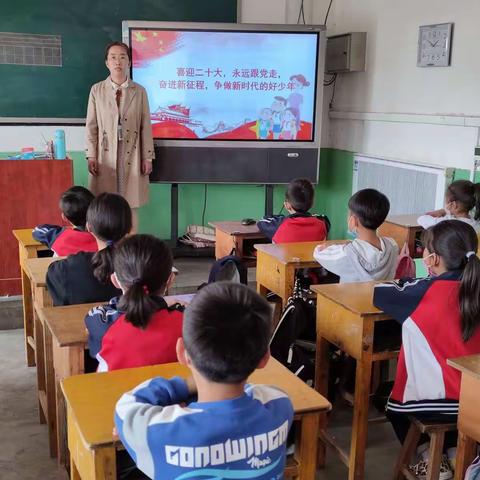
<point>146,290</point>
<point>109,243</point>
<point>469,254</point>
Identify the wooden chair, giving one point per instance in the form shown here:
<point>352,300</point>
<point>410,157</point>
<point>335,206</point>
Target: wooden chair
<point>436,432</point>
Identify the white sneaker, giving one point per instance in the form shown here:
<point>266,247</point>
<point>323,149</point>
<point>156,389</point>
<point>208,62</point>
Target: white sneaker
<point>420,469</point>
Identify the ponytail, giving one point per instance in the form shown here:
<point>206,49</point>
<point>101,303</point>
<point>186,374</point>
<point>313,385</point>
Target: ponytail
<point>138,305</point>
<point>476,194</point>
<point>469,296</point>
<point>102,263</point>
<point>143,265</point>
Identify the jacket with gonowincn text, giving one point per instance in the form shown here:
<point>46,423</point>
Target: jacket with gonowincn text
<point>429,312</point>
<point>239,438</point>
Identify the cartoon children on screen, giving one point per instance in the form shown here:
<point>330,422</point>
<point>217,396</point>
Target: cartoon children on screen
<point>282,119</point>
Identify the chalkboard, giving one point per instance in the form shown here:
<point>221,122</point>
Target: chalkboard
<point>85,27</point>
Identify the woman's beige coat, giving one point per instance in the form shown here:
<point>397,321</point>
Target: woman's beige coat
<point>101,140</point>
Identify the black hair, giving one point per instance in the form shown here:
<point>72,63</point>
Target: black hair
<point>118,44</point>
<point>226,331</point>
<point>452,240</point>
<point>370,206</point>
<point>109,218</point>
<point>467,194</point>
<point>299,194</point>
<point>143,265</point>
<point>281,99</point>
<point>74,204</point>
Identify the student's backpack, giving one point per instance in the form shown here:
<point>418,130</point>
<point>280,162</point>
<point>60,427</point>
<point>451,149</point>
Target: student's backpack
<point>293,341</point>
<point>229,269</point>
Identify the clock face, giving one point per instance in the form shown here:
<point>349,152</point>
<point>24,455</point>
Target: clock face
<point>434,45</point>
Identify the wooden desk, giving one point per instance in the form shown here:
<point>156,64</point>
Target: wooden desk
<point>91,402</point>
<point>65,340</point>
<point>469,413</point>
<point>36,271</point>
<point>234,235</point>
<point>277,263</point>
<point>28,247</point>
<point>347,318</point>
<point>403,229</point>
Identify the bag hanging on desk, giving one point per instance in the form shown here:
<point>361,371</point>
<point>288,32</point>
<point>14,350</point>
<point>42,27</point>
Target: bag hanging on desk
<point>405,264</point>
<point>293,341</point>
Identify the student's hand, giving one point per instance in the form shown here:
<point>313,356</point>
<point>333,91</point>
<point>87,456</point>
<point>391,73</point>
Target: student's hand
<point>115,434</point>
<point>146,167</point>
<point>437,213</point>
<point>321,247</point>
<point>93,166</point>
<point>192,386</point>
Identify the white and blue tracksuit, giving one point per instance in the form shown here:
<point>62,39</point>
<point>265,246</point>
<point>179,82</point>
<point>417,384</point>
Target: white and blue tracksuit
<point>241,438</point>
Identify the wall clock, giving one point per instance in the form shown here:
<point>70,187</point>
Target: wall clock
<point>434,45</point>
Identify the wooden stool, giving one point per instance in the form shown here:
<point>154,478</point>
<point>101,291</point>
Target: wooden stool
<point>436,431</point>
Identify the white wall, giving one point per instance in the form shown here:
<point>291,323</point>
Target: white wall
<point>273,11</point>
<point>14,138</point>
<point>396,109</point>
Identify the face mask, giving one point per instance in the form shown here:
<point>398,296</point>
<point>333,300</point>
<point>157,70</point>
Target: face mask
<point>352,233</point>
<point>430,273</point>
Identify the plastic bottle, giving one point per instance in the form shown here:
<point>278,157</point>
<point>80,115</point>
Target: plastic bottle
<point>60,150</point>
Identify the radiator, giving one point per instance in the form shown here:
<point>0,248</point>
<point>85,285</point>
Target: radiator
<point>410,188</point>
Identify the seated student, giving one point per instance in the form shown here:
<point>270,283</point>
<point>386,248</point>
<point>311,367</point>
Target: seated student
<point>368,257</point>
<point>461,199</point>
<point>68,240</point>
<point>138,328</point>
<point>300,225</point>
<point>233,430</point>
<point>440,316</point>
<point>85,276</point>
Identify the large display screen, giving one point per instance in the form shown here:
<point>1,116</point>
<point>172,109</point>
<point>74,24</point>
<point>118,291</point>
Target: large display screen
<point>228,85</point>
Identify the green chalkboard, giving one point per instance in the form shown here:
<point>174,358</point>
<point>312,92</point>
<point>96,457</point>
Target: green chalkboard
<point>85,26</point>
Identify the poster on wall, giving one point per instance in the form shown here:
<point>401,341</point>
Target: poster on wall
<point>228,85</point>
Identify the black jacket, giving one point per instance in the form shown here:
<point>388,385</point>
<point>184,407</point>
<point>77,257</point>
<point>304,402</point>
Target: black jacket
<point>71,281</point>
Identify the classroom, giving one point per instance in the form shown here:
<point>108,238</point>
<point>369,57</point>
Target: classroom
<point>239,240</point>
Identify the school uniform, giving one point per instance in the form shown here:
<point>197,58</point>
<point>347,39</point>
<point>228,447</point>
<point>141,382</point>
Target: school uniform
<point>298,227</point>
<point>71,281</point>
<point>360,261</point>
<point>244,437</point>
<point>429,312</point>
<point>65,241</point>
<point>116,343</point>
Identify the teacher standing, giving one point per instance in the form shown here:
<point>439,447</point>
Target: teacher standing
<point>119,144</point>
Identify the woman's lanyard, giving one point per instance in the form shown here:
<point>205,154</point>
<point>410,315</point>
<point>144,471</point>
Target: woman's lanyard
<point>118,95</point>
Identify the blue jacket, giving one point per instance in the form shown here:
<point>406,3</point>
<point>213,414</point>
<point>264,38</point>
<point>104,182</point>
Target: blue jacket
<point>241,438</point>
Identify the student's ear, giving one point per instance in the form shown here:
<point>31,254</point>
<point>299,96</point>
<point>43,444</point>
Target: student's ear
<point>115,281</point>
<point>264,360</point>
<point>87,226</point>
<point>64,218</point>
<point>288,206</point>
<point>170,281</point>
<point>182,354</point>
<point>436,260</point>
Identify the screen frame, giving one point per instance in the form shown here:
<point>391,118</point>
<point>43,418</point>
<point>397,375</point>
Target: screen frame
<point>129,25</point>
